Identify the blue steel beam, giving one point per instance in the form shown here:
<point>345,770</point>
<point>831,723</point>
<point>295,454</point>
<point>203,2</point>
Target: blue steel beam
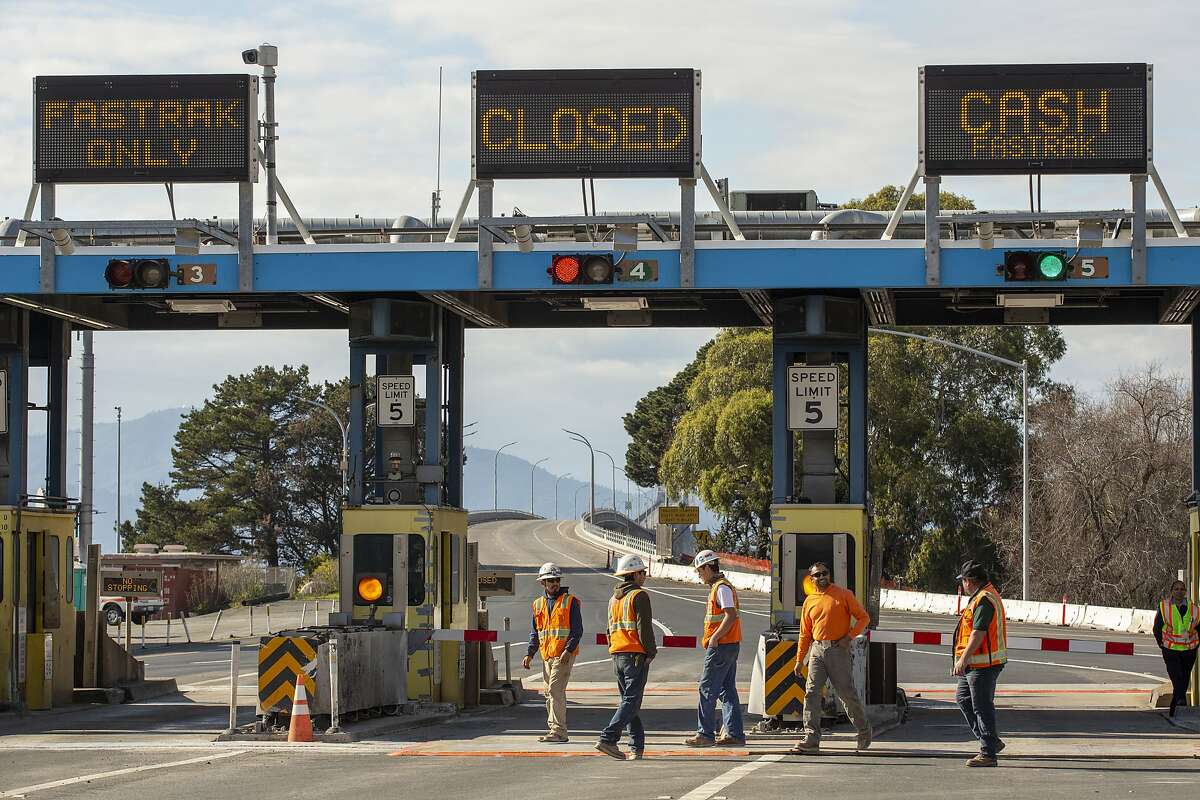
<point>845,264</point>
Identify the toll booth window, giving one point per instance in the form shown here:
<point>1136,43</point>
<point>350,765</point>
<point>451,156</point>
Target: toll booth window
<point>373,556</point>
<point>52,564</point>
<point>416,569</point>
<point>822,547</point>
<point>69,569</point>
<point>456,571</point>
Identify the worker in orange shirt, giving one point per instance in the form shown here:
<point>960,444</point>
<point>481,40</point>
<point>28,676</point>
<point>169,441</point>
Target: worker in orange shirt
<point>825,637</point>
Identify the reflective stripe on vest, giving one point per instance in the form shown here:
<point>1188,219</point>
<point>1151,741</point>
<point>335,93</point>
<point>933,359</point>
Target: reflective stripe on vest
<point>994,650</point>
<point>712,620</point>
<point>553,628</point>
<point>623,634</point>
<point>1177,631</point>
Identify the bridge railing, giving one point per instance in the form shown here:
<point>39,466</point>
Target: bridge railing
<point>498,515</point>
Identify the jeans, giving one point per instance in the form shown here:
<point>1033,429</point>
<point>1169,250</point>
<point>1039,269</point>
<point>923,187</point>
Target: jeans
<point>719,680</point>
<point>1179,670</point>
<point>976,696</point>
<point>632,670</point>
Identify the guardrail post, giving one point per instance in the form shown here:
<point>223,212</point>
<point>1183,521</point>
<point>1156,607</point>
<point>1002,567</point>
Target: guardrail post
<point>235,660</point>
<point>507,654</point>
<point>333,687</point>
<point>216,622</point>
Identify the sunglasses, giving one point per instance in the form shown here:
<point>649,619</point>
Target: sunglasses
<point>819,574</point>
<point>551,580</point>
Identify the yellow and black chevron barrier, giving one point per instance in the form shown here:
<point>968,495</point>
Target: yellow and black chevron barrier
<point>280,660</point>
<point>785,692</point>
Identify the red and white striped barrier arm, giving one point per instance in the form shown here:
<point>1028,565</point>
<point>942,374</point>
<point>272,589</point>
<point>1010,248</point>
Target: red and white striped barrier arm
<point>1042,643</point>
<point>934,638</point>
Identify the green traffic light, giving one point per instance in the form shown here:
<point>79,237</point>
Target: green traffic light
<point>1051,266</point>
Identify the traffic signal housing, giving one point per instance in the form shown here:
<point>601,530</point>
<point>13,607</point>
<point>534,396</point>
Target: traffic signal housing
<point>138,273</point>
<point>1036,265</point>
<point>370,589</point>
<point>576,270</point>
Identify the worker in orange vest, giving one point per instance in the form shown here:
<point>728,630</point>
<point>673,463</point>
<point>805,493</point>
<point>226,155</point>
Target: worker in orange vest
<point>1175,630</point>
<point>632,645</point>
<point>555,633</point>
<point>980,653</point>
<point>722,643</point>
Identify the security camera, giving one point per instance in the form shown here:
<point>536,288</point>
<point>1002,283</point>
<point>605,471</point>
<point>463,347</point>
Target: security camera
<point>265,55</point>
<point>250,56</point>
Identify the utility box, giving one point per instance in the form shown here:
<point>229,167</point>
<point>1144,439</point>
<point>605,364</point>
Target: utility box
<point>773,200</point>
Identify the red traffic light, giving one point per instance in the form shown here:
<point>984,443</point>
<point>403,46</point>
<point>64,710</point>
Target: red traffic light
<point>564,269</point>
<point>139,273</point>
<point>576,270</point>
<point>119,274</point>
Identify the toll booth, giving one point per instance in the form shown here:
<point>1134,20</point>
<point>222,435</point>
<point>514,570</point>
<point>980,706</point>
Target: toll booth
<point>407,566</point>
<point>803,535</point>
<point>37,606</point>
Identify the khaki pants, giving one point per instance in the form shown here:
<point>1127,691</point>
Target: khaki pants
<point>556,672</point>
<point>827,661</point>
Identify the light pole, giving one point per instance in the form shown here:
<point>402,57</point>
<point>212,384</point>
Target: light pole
<point>577,491</point>
<point>628,496</point>
<point>579,437</point>
<point>560,477</point>
<point>118,410</point>
<point>533,472</point>
<point>1024,367</point>
<point>614,477</point>
<point>496,477</point>
<point>345,439</point>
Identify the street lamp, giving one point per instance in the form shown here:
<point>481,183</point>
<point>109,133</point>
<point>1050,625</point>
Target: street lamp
<point>533,472</point>
<point>560,477</point>
<point>496,477</point>
<point>577,491</point>
<point>579,437</point>
<point>118,410</point>
<point>614,477</point>
<point>345,439</point>
<point>1024,367</point>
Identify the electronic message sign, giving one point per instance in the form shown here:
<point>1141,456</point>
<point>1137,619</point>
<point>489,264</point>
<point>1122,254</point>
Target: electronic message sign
<point>1048,118</point>
<point>144,128</point>
<point>590,123</point>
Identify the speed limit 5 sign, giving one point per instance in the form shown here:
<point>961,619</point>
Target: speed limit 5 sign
<point>396,396</point>
<point>812,398</point>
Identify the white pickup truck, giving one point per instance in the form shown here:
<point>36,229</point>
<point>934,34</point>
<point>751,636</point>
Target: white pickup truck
<point>114,609</point>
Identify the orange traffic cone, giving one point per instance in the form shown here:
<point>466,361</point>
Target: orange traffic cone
<point>300,728</point>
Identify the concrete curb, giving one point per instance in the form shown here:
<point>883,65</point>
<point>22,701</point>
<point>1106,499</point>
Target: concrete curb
<point>357,731</point>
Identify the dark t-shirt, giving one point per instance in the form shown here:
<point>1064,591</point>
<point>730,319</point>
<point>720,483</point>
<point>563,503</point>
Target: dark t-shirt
<point>983,616</point>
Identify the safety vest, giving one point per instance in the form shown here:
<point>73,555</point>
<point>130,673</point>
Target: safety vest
<point>554,627</point>
<point>623,625</point>
<point>712,620</point>
<point>995,647</point>
<point>1177,631</point>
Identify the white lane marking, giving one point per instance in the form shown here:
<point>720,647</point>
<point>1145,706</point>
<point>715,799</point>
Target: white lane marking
<point>24,790</point>
<point>946,656</point>
<point>705,791</point>
<point>226,678</point>
<point>666,631</point>
<point>647,588</point>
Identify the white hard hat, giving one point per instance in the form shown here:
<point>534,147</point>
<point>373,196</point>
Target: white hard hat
<point>629,564</point>
<point>704,557</point>
<point>549,570</point>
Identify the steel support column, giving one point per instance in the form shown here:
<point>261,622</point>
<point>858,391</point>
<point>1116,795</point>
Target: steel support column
<point>433,407</point>
<point>14,359</point>
<point>358,424</point>
<point>453,353</point>
<point>58,341</point>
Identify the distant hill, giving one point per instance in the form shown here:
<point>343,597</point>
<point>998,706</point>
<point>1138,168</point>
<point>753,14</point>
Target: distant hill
<point>146,457</point>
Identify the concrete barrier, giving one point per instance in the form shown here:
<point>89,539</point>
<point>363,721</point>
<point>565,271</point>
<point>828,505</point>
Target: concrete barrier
<point>1127,620</point>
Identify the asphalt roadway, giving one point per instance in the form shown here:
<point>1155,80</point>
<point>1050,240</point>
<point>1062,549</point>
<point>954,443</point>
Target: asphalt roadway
<point>1068,737</point>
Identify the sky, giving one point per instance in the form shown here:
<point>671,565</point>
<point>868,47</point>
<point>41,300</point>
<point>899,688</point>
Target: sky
<point>795,95</point>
